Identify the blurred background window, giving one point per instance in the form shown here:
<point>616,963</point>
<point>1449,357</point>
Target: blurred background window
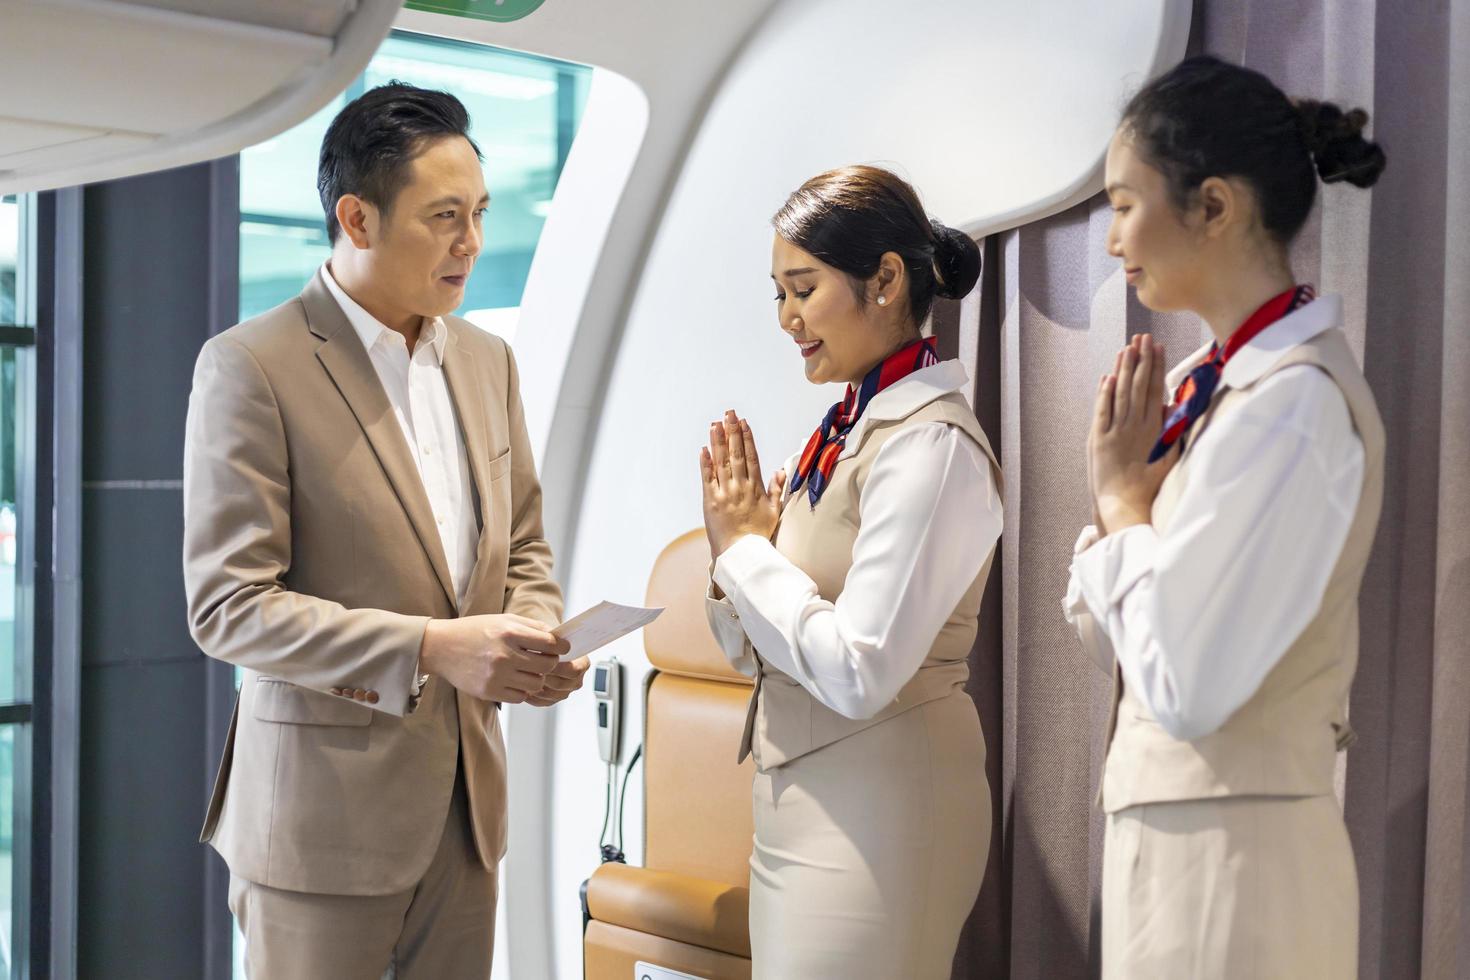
<point>524,111</point>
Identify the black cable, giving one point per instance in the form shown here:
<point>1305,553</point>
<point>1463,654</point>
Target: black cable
<point>606,806</point>
<point>623,795</point>
<point>614,851</point>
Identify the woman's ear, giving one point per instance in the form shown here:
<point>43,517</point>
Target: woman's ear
<point>889,281</point>
<point>1223,203</point>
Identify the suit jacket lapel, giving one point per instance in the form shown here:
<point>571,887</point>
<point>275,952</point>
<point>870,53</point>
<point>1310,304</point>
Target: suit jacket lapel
<point>347,361</point>
<point>467,391</point>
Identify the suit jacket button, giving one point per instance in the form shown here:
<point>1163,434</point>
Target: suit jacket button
<point>372,697</point>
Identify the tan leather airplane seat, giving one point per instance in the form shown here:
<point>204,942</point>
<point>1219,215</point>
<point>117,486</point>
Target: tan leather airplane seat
<point>687,908</point>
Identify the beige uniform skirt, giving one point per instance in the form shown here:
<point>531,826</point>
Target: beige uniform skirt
<point>1237,887</point>
<point>869,852</point>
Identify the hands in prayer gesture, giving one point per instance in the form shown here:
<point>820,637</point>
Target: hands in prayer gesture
<point>1126,420</point>
<point>736,501</point>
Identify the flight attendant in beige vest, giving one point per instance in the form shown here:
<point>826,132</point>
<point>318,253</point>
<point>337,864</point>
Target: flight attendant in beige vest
<point>849,589</point>
<point>1220,582</point>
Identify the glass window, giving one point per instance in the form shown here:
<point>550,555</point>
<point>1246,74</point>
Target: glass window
<point>17,474</point>
<point>524,111</point>
<point>16,398</point>
<point>9,254</point>
<point>8,869</point>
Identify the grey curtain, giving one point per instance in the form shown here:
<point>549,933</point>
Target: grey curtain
<point>1052,310</point>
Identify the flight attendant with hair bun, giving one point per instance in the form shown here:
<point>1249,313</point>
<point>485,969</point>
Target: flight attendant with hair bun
<point>1220,582</point>
<point>850,591</point>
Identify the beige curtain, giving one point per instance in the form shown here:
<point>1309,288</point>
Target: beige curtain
<point>1052,310</point>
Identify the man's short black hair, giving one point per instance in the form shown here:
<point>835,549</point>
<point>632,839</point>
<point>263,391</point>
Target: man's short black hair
<point>369,146</point>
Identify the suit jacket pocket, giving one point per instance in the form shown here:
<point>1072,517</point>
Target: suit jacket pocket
<point>281,701</point>
<point>499,466</point>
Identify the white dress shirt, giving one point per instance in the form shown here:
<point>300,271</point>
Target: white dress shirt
<point>1198,615</point>
<point>930,513</point>
<point>419,395</point>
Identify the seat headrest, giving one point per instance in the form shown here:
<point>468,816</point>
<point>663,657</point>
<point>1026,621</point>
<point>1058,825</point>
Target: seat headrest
<point>680,640</point>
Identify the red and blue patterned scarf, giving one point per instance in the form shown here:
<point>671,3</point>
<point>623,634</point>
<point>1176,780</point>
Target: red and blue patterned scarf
<point>1194,393</point>
<point>819,458</point>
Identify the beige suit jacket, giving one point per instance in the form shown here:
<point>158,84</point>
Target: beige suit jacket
<point>312,561</point>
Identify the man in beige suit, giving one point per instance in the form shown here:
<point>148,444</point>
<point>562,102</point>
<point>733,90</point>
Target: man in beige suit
<point>363,536</point>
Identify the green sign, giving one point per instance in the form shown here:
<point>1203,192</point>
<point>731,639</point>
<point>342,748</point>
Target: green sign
<point>496,10</point>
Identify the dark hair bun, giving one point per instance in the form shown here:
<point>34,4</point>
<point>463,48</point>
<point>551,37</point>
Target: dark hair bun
<point>1335,139</point>
<point>956,262</point>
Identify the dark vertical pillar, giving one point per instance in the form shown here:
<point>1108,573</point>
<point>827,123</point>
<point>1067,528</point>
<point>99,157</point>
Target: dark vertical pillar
<point>159,275</point>
<point>57,578</point>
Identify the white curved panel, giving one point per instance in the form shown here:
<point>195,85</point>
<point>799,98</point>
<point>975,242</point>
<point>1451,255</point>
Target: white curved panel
<point>571,244</point>
<point>129,87</point>
<point>27,136</point>
<point>999,112</point>
<point>130,68</point>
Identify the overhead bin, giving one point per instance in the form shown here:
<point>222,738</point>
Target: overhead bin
<point>98,89</point>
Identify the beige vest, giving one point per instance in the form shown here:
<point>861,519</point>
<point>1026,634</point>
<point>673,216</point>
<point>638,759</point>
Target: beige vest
<point>784,721</point>
<point>1284,740</point>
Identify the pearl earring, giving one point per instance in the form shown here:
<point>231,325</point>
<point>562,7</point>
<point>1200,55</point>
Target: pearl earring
<point>882,300</point>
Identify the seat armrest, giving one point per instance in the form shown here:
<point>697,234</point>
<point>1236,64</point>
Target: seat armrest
<point>704,913</point>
